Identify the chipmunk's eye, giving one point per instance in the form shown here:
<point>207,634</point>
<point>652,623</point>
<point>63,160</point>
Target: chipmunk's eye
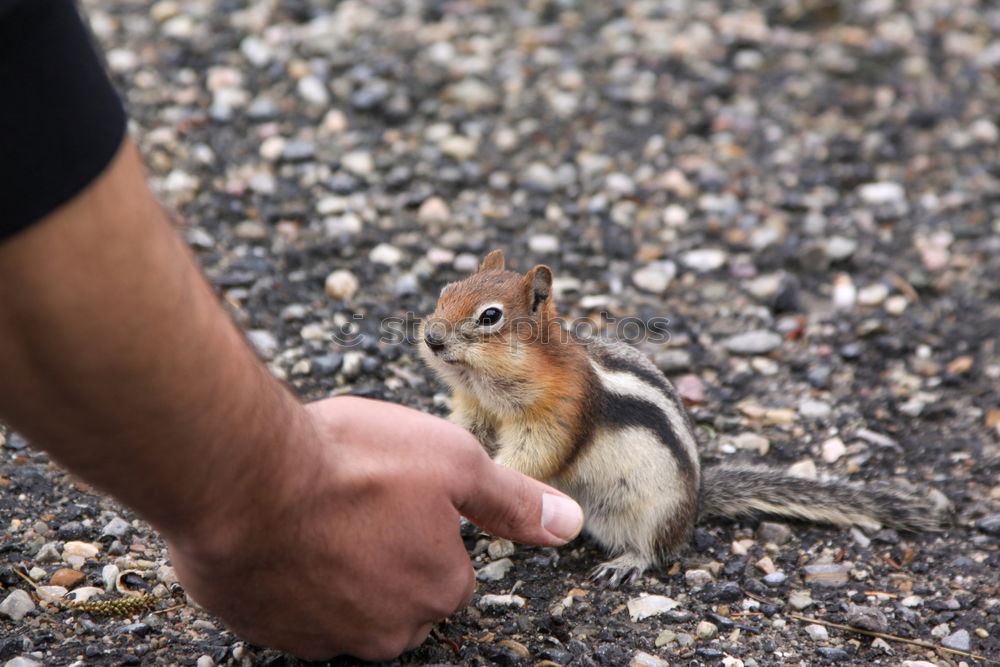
<point>489,316</point>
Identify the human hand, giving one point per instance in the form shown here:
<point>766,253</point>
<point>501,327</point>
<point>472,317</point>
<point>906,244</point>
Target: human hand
<point>354,546</point>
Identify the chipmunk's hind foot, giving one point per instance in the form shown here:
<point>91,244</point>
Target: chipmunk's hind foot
<point>623,570</point>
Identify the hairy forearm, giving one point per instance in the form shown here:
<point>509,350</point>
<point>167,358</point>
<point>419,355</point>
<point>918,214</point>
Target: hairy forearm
<point>118,360</point>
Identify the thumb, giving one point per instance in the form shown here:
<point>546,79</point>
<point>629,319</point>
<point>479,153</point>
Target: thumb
<point>508,504</point>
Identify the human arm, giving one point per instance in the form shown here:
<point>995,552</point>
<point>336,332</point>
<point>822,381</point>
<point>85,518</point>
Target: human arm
<point>119,361</point>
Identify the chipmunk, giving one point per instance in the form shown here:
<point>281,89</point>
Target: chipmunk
<point>597,420</point>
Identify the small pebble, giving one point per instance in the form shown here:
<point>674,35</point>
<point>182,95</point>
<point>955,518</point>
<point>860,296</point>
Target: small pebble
<point>495,570</point>
<point>773,533</point>
<point>704,260</point>
<point>775,579</point>
<point>877,194</point>
<point>655,277</point>
<point>826,574</point>
<point>433,209</point>
<point>16,605</point>
<point>264,342</point>
<point>698,578</point>
<point>833,449</point>
<point>66,577</point>
<point>23,661</point>
<point>341,285</point>
<point>867,618</point>
<point>642,659</point>
<point>387,254</point>
<point>753,342</point>
<point>501,602</point>
<point>813,409</point>
<point>82,549</point>
<point>799,600</point>
<point>817,632</point>
<point>501,548</point>
<point>806,468</point>
<point>117,528</point>
<point>840,248</point>
<point>664,638</point>
<point>958,640</point>
<point>650,605</point>
<point>706,630</point>
<point>690,388</point>
<point>543,244</point>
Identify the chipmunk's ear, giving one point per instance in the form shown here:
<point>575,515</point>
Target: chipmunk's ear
<point>493,261</point>
<point>539,284</point>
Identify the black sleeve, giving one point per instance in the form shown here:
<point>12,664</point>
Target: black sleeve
<point>61,121</point>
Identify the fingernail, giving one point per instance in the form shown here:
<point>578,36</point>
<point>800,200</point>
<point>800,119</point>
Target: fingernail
<point>561,516</point>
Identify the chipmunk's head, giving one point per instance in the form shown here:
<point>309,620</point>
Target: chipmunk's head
<point>487,324</point>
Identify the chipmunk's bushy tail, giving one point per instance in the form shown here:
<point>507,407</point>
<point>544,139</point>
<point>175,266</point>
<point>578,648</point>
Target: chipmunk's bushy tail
<point>735,491</point>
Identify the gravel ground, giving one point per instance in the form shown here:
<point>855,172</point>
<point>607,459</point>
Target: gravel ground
<point>807,189</point>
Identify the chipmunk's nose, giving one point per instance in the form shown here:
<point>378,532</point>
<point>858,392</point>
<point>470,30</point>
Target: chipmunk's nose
<point>435,343</point>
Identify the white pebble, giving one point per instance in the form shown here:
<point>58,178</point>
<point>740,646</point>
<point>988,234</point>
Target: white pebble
<point>755,342</point>
<point>459,147</point>
<point>704,260</point>
<point>817,632</point>
<point>501,602</point>
<point>341,284</point>
<point>359,163</point>
<point>806,468</point>
<point>655,277</point>
<point>706,630</point>
<point>544,244</point>
<point>313,91</point>
<point>264,342</point>
<point>845,294</point>
<point>884,192</point>
<point>16,605</point>
<point>386,254</point>
<point>873,295</point>
<point>833,449</point>
<point>81,549</point>
<point>813,409</point>
<point>650,605</point>
<point>698,578</point>
<point>643,659</point>
<point>495,570</point>
<point>896,304</point>
<point>434,209</point>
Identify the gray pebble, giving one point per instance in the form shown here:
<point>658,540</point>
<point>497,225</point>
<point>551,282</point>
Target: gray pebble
<point>672,361</point>
<point>839,248</point>
<point>264,342</point>
<point>760,341</point>
<point>495,570</point>
<point>117,528</point>
<point>958,640</point>
<point>50,552</point>
<point>16,605</point>
<point>990,524</point>
<point>539,177</point>
<point>867,618</point>
<point>775,579</point>
<point>812,409</point>
<point>23,661</point>
<point>826,574</point>
<point>326,365</point>
<point>15,441</point>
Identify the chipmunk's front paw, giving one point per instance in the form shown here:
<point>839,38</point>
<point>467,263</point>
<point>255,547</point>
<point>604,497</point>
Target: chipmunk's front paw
<point>624,570</point>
